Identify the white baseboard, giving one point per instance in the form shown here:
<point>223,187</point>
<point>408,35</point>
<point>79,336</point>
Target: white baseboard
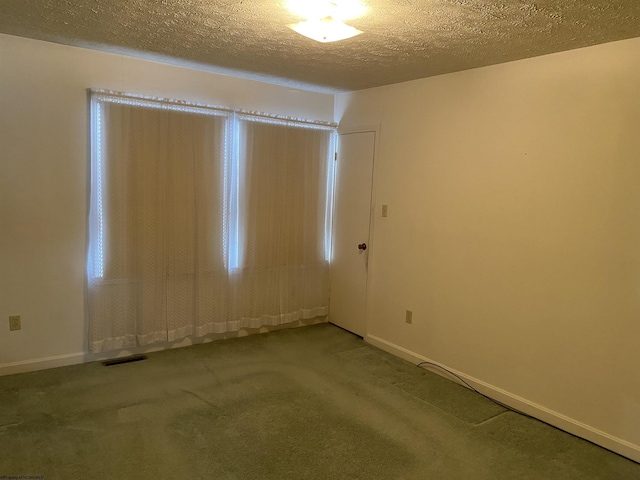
<point>42,363</point>
<point>83,357</point>
<point>579,429</point>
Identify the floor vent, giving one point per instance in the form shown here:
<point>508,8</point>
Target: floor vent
<point>119,361</point>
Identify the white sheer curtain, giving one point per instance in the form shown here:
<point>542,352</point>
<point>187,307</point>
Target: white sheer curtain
<point>157,227</point>
<point>188,236</point>
<point>283,271</point>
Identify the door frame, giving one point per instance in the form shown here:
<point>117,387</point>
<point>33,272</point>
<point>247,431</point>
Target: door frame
<point>375,129</point>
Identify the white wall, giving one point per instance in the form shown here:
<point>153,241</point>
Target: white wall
<point>514,232</point>
<point>43,177</point>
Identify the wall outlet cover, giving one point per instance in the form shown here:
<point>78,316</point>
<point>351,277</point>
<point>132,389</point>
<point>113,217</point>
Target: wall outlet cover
<point>14,323</point>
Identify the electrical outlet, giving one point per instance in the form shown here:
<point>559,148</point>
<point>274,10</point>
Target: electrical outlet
<point>14,323</point>
<point>408,317</point>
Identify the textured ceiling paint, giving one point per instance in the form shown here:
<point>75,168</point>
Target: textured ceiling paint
<point>403,39</point>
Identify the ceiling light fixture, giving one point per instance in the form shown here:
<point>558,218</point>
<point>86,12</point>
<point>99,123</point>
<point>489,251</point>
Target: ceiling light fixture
<point>325,30</point>
<point>324,19</point>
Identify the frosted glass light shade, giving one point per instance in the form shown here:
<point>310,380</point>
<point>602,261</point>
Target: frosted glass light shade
<point>317,9</point>
<point>325,30</point>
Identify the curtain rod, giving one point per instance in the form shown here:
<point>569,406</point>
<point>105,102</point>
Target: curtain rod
<point>187,104</point>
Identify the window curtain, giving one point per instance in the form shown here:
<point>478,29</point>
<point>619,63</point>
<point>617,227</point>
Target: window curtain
<point>203,221</point>
<point>283,268</point>
<point>157,227</point>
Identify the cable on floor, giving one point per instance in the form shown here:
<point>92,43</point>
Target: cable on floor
<point>462,380</point>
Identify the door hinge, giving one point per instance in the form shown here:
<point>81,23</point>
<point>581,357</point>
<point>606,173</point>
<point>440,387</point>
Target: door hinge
<point>335,156</point>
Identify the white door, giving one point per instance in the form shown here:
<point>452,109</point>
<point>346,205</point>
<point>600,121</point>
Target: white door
<point>351,220</point>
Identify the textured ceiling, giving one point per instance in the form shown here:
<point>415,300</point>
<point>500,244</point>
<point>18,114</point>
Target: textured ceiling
<point>403,39</point>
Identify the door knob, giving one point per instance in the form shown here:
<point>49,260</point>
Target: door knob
<point>362,246</point>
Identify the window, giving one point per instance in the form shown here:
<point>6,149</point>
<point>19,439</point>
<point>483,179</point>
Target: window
<point>203,220</point>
